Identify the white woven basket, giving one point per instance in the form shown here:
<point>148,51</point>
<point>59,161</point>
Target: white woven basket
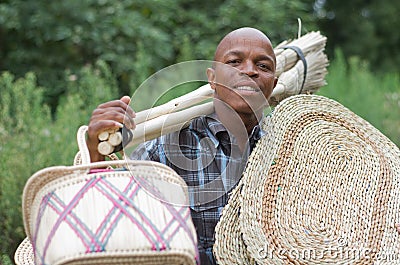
<point>85,214</point>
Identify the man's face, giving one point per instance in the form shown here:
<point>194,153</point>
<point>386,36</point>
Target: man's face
<point>244,72</point>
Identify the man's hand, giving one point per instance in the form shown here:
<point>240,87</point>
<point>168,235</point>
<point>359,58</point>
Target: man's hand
<point>108,116</point>
<point>398,228</point>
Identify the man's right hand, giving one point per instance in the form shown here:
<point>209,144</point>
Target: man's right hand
<point>108,116</point>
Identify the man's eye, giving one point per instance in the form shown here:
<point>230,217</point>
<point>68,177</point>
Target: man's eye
<point>233,62</point>
<point>264,67</point>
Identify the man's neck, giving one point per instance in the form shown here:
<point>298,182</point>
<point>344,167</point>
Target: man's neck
<point>240,125</point>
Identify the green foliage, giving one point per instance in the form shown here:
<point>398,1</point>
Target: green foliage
<point>136,38</point>
<point>374,97</point>
<point>5,260</point>
<point>31,140</point>
<point>87,89</point>
<point>362,28</point>
<point>23,122</point>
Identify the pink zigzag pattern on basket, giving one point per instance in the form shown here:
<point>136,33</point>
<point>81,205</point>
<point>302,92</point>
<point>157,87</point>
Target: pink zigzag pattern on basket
<point>157,194</point>
<point>183,222</point>
<point>121,200</point>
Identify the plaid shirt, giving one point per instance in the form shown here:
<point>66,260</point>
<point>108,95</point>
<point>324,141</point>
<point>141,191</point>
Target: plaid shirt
<point>207,157</point>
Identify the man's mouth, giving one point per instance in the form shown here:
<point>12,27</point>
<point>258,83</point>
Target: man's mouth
<point>247,89</point>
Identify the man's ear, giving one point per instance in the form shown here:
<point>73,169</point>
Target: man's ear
<point>211,77</point>
<point>275,81</point>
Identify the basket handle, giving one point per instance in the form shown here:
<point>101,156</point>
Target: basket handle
<point>83,156</point>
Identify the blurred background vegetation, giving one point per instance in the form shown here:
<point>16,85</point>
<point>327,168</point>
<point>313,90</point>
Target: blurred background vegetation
<point>60,59</point>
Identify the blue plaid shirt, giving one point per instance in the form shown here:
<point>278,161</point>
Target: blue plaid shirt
<point>207,157</point>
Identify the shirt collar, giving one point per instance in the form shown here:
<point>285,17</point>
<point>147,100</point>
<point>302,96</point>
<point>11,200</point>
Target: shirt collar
<point>220,133</point>
<point>214,124</point>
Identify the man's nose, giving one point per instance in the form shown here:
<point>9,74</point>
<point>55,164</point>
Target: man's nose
<point>249,68</point>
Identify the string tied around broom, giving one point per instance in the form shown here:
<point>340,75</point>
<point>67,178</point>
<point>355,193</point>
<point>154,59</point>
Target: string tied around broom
<point>301,56</point>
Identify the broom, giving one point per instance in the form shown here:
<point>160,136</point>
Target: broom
<point>301,68</point>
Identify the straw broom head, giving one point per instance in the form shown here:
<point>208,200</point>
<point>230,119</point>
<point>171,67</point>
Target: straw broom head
<point>291,82</point>
<point>286,58</point>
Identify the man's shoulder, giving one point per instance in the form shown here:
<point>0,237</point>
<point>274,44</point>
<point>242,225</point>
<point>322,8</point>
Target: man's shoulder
<point>198,135</point>
<point>198,127</point>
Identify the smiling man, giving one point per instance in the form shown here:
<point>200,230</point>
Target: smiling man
<point>210,154</point>
<point>243,78</point>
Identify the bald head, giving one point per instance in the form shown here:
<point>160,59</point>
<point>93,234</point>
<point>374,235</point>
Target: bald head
<point>242,36</point>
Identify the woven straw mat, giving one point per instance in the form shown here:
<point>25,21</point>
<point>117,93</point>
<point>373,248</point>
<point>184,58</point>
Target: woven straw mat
<point>322,187</point>
<point>229,247</point>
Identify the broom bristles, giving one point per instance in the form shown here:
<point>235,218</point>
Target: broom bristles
<point>290,82</point>
<point>287,58</point>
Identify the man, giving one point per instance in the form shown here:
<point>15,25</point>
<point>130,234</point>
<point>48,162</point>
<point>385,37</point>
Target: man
<point>211,153</point>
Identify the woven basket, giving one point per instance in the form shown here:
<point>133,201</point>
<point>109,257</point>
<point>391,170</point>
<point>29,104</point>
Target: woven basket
<point>85,214</point>
<point>322,187</point>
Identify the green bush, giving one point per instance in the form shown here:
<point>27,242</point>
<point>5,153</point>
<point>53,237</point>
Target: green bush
<point>31,139</point>
<point>48,37</point>
<point>24,140</point>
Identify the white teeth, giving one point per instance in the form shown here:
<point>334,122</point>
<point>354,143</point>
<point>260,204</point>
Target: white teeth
<point>246,88</point>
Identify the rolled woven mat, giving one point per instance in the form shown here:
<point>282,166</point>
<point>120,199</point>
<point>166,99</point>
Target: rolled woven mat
<point>323,187</point>
<point>229,247</point>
